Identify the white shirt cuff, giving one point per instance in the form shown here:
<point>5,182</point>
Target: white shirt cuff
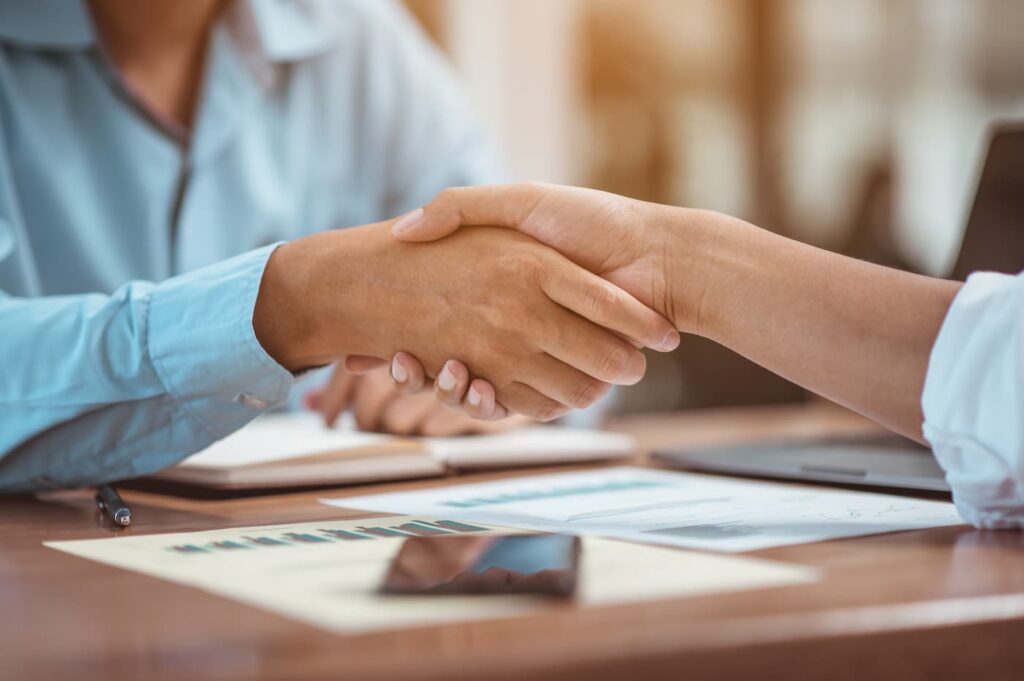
<point>973,400</point>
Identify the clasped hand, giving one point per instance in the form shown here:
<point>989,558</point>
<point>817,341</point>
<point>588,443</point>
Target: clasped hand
<point>612,236</point>
<point>544,334</point>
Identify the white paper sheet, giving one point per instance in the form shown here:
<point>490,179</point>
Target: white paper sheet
<point>662,507</point>
<point>275,437</point>
<point>327,573</point>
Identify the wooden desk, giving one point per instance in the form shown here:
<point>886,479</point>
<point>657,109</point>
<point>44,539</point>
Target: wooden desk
<point>936,604</point>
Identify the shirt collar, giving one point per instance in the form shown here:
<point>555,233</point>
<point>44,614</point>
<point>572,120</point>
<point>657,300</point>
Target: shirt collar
<point>46,24</point>
<point>292,30</point>
<point>283,30</point>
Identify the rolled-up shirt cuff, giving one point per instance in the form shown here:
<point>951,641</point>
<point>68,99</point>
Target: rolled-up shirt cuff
<point>204,348</point>
<point>973,399</point>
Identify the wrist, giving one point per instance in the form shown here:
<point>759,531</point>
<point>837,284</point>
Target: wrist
<point>282,319</point>
<point>322,298</point>
<point>703,256</point>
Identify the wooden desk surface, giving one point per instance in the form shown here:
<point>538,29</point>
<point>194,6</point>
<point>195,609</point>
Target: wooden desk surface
<point>934,604</point>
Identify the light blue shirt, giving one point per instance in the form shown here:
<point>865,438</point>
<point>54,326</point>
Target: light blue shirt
<point>131,253</point>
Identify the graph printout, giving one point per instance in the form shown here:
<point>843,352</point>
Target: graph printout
<point>328,573</point>
<point>249,540</point>
<point>664,507</point>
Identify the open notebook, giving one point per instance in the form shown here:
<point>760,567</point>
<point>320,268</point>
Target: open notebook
<point>285,450</point>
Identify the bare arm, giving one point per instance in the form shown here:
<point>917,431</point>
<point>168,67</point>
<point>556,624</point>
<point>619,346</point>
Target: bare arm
<point>856,333</point>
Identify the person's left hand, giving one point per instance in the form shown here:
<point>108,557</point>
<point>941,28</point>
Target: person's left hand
<point>379,406</point>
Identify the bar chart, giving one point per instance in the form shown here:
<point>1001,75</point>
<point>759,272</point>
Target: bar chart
<point>544,492</point>
<point>326,535</point>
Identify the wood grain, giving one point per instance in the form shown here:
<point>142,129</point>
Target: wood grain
<point>936,604</point>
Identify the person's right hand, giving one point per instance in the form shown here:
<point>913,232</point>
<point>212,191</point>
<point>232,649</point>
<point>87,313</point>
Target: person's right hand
<point>623,240</point>
<point>548,335</point>
<point>854,332</point>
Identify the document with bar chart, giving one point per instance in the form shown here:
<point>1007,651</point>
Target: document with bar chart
<point>664,507</point>
<point>328,573</point>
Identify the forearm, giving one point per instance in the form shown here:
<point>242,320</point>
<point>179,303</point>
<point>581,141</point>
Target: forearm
<point>856,333</point>
<point>96,388</point>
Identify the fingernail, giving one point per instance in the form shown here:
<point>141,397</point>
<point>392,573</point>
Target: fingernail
<point>670,341</point>
<point>399,372</point>
<point>406,221</point>
<point>473,397</point>
<point>446,379</point>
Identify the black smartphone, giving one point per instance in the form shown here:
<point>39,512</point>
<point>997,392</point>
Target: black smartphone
<point>545,564</point>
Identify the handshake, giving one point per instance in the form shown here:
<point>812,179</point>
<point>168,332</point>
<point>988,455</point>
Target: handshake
<point>529,299</point>
<point>535,299</point>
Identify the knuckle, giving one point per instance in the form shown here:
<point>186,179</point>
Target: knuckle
<point>599,299</point>
<point>520,264</point>
<point>549,411</point>
<point>533,191</point>
<point>445,197</point>
<point>612,361</point>
<point>530,188</point>
<point>653,331</point>
<point>533,325</point>
<point>507,265</point>
<point>587,393</point>
<point>620,210</point>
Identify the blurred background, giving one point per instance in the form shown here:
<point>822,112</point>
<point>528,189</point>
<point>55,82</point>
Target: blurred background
<point>856,125</point>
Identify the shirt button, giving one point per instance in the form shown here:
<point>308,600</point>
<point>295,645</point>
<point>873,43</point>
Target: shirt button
<point>253,401</point>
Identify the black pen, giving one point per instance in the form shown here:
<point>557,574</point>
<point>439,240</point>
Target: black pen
<point>110,501</point>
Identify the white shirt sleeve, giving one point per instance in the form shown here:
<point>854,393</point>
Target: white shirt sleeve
<point>973,400</point>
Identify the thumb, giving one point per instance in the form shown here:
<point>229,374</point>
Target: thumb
<point>494,205</point>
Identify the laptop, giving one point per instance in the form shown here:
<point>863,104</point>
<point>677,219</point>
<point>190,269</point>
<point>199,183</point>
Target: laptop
<point>993,241</point>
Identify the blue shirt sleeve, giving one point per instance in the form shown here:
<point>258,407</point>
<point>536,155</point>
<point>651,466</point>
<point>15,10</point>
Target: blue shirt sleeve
<point>95,388</point>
